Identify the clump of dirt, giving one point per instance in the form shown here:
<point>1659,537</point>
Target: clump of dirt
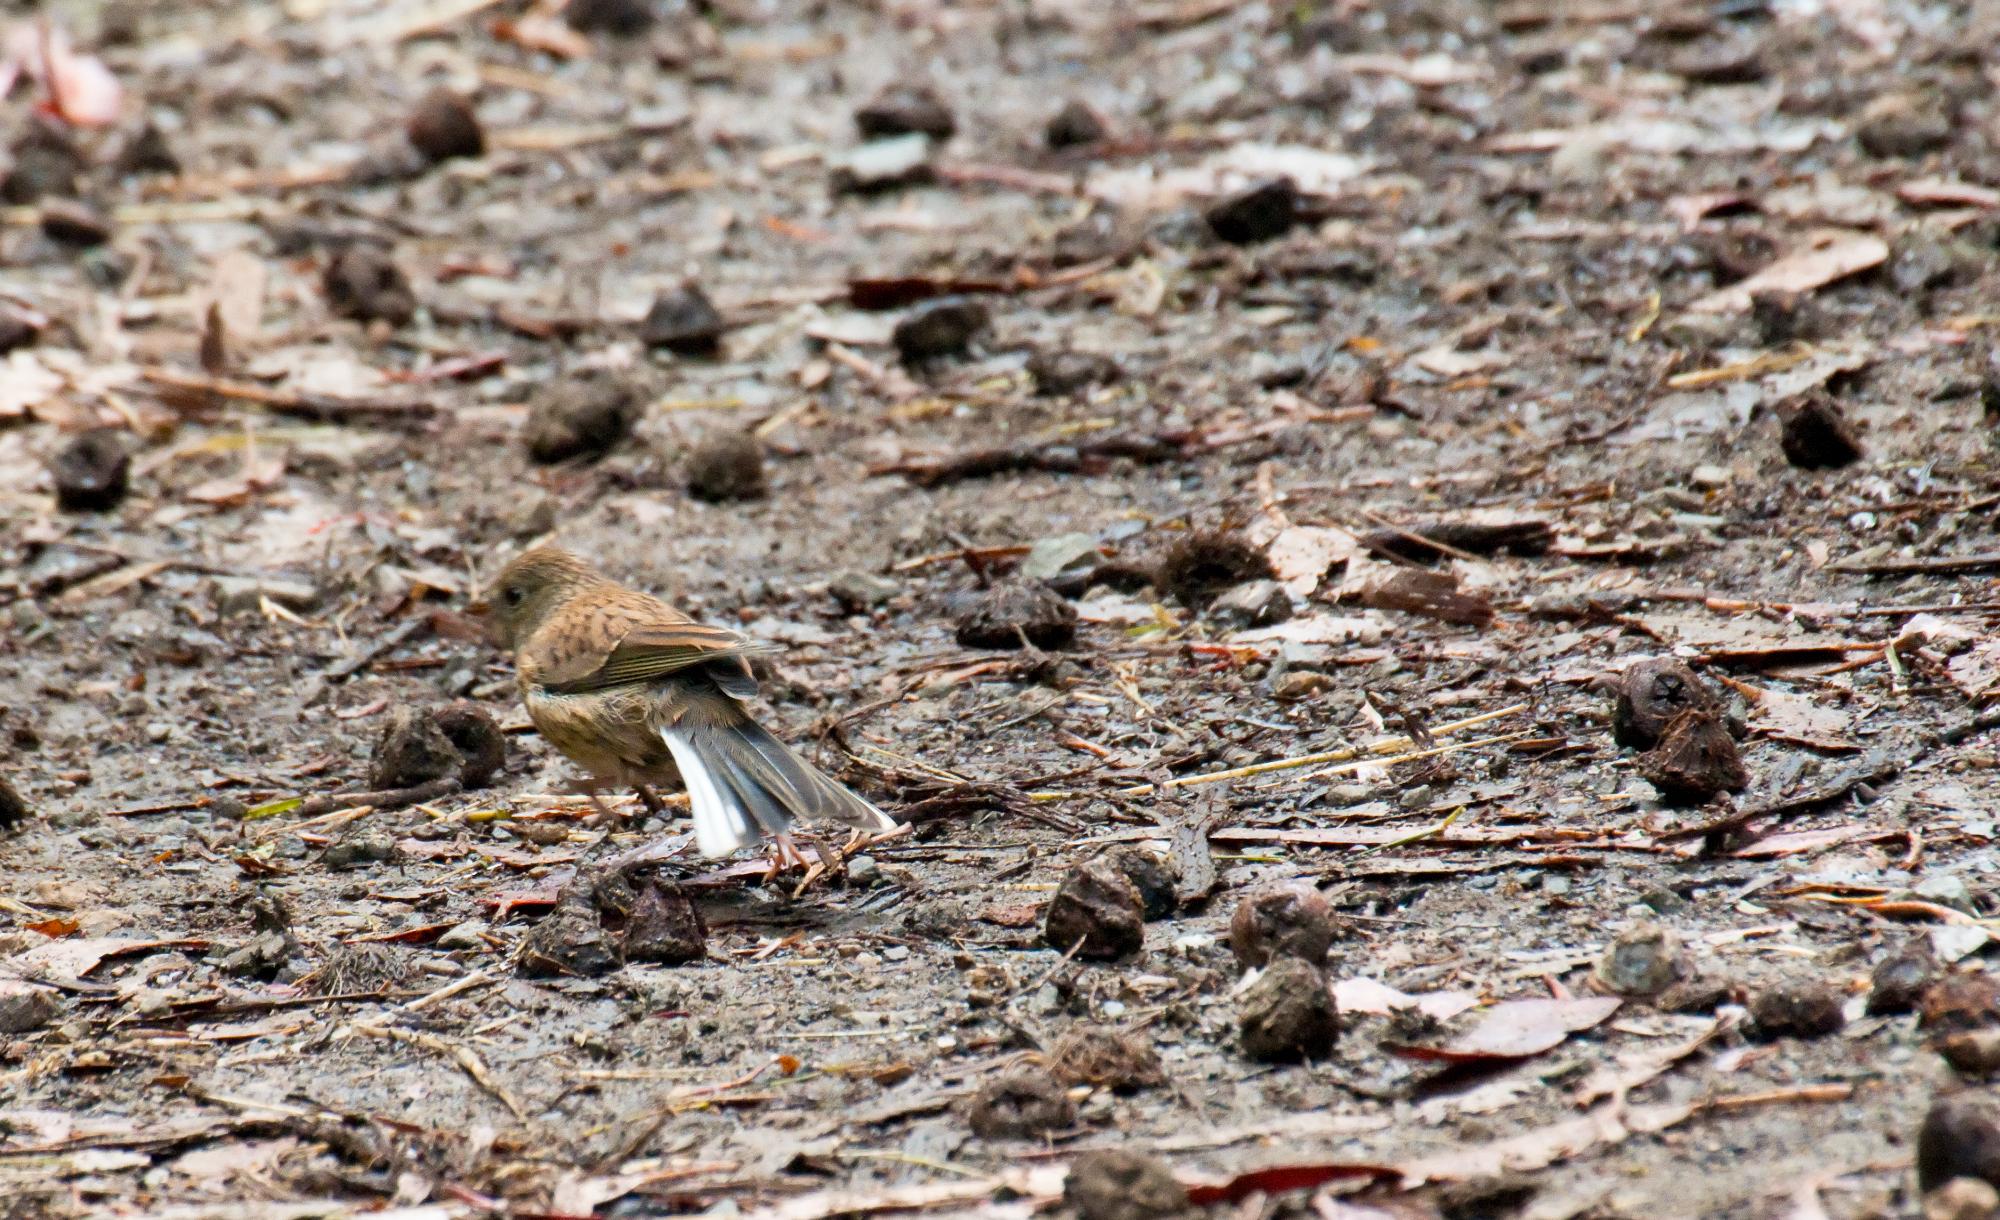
<point>580,419</point>
<point>1202,563</point>
<point>727,466</point>
<point>363,282</point>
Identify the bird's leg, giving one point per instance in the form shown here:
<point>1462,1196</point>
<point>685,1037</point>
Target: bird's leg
<point>655,807</point>
<point>784,855</point>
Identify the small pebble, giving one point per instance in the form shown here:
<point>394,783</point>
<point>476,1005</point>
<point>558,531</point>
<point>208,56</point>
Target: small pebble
<point>580,418</point>
<point>1011,612</point>
<point>1077,123</point>
<point>944,327</point>
<point>444,126</point>
<point>1116,1184</point>
<point>684,321</point>
<point>904,109</point>
<point>1024,1104</point>
<point>1258,214</point>
<point>364,283</point>
<point>1960,1138</point>
<point>1097,906</point>
<point>1288,1014</point>
<point>727,466</point>
<point>1642,960</point>
<point>1796,1010</point>
<point>92,471</point>
<point>1292,919</point>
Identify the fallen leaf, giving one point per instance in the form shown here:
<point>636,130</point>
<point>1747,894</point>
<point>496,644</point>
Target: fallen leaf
<point>1520,1028</point>
<point>1948,192</point>
<point>1022,916</point>
<point>1302,555</point>
<point>1785,716</point>
<point>1378,999</point>
<point>1316,629</point>
<point>1637,1067</point>
<point>72,959</point>
<point>1829,257</point>
<point>1608,1124</point>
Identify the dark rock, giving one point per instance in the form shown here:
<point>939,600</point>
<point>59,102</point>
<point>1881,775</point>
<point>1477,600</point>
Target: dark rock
<point>581,418</point>
<point>1288,1015</point>
<point>364,283</point>
<point>1814,434</point>
<point>1025,1104</point>
<point>727,466</point>
<point>1904,125</point>
<point>25,1006</point>
<point>858,591</point>
<point>1106,1059</point>
<point>1959,1002</point>
<point>1113,1184</point>
<point>1787,317</point>
<point>1960,1138</point>
<point>664,926</point>
<point>944,327</point>
<point>1643,960</point>
<point>412,750</point>
<point>359,848</point>
<point>1007,613</point>
<point>620,17</point>
<point>571,940</point>
<point>1256,603</point>
<point>1975,1052</point>
<point>45,164</point>
<point>902,109</point>
<point>481,746</point>
<point>75,223</point>
<point>263,957</point>
<point>1695,760</point>
<point>16,331</point>
<point>1701,993</point>
<point>1152,876</point>
<point>1735,61</point>
<point>444,126</point>
<point>1061,373</point>
<point>92,472</point>
<point>1075,124</point>
<point>269,912</point>
<point>1100,907</point>
<point>14,811</point>
<point>684,321</point>
<point>1202,563</point>
<point>1901,978</point>
<point>360,969</point>
<point>147,152</point>
<point>1796,1010</point>
<point>1291,919</point>
<point>1263,212</point>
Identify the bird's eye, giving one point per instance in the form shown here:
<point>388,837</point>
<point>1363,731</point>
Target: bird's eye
<point>514,595</point>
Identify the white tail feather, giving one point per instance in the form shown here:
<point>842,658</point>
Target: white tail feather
<point>721,824</point>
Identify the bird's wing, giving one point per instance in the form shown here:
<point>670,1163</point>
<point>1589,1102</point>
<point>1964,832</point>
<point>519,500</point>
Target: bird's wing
<point>619,641</point>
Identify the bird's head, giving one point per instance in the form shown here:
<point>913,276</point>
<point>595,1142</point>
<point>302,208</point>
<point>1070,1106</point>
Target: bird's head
<point>530,589</point>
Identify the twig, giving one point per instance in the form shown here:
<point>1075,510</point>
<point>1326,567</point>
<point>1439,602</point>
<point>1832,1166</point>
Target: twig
<point>388,798</point>
<point>464,1056</point>
<point>1935,565</point>
<point>1059,456</point>
<point>179,387</point>
<point>477,978</point>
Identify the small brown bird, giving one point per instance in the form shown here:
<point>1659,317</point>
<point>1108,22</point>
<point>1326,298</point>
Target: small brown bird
<point>635,692</point>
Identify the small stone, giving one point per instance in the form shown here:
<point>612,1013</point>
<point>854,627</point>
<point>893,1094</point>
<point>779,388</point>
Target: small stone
<point>1114,1184</point>
<point>467,936</point>
<point>1962,1199</point>
<point>1972,1053</point>
<point>1904,125</point>
<point>481,746</point>
<point>1796,1010</point>
<point>25,1006</point>
<point>412,750</point>
<point>1702,993</point>
<point>1077,123</point>
<point>1736,61</point>
<point>14,812</point>
<point>1924,261</point>
<point>1297,685</point>
<point>881,164</point>
<point>727,466</point>
<point>944,327</point>
<point>1695,760</point>
<point>360,969</point>
<point>580,418</point>
<point>361,848</point>
<point>1815,435</point>
<point>46,163</point>
<point>1098,906</point>
<point>263,957</point>
<point>664,926</point>
<point>1060,373</point>
<point>619,17</point>
<point>444,126</point>
<point>234,595</point>
<point>1201,564</point>
<point>684,321</point>
<point>364,283</point>
<point>902,109</point>
<point>1643,960</point>
<point>1292,919</point>
<point>570,940</point>
<point>92,472</point>
<point>1781,317</point>
<point>75,223</point>
<point>1150,875</point>
<point>147,152</point>
<point>16,330</point>
<point>1007,613</point>
<point>1960,1138</point>
<point>1288,1014</point>
<point>1900,979</point>
<point>1263,212</point>
<point>269,912</point>
<point>1025,1104</point>
<point>1946,889</point>
<point>1959,1002</point>
<point>1106,1059</point>
<point>863,872</point>
<point>858,591</point>
<point>1651,693</point>
<point>1256,603</point>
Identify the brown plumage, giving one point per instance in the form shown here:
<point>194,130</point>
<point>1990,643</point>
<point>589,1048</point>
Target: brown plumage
<point>637,693</point>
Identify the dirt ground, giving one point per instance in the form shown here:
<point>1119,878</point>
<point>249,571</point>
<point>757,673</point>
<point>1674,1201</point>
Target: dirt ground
<point>1516,342</point>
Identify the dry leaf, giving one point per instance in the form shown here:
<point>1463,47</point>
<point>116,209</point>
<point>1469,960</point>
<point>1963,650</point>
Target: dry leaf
<point>1381,1000</point>
<point>1301,555</point>
<point>1830,257</point>
<point>1520,1028</point>
<point>1315,629</point>
<point>258,473</point>
<point>1785,716</point>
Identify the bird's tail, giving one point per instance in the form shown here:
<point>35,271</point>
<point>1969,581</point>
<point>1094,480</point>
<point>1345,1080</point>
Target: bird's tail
<point>744,784</point>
